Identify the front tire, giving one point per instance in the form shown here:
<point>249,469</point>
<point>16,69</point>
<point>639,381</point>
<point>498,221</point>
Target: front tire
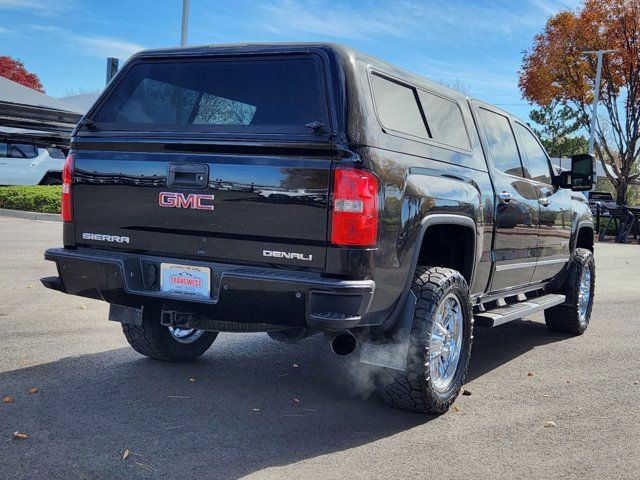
<point>579,286</point>
<point>162,343</point>
<point>439,346</point>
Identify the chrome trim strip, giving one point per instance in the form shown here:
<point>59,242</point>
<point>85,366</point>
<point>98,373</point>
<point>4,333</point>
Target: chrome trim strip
<point>515,266</point>
<point>509,292</point>
<point>551,262</point>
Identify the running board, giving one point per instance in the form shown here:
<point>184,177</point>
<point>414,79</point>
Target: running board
<point>514,311</point>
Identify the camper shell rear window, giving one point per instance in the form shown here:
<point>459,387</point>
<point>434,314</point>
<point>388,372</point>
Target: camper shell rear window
<point>266,94</point>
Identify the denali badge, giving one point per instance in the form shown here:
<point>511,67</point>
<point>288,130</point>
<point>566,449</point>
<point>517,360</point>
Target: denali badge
<point>292,255</point>
<point>180,200</point>
<point>101,237</point>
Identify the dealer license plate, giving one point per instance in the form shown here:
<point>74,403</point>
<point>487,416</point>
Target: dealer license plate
<point>185,279</point>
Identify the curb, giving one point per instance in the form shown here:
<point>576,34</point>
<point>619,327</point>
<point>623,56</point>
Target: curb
<point>47,217</point>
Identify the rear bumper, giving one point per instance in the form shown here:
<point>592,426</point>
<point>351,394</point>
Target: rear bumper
<point>239,294</point>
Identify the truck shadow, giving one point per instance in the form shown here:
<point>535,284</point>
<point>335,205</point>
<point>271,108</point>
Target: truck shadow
<point>493,347</point>
<point>247,408</point>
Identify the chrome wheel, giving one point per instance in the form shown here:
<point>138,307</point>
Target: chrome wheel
<point>584,294</point>
<point>445,343</point>
<point>185,335</point>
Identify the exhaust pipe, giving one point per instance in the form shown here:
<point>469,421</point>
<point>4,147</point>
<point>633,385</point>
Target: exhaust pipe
<point>343,343</point>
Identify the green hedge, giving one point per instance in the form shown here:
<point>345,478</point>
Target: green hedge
<point>33,198</point>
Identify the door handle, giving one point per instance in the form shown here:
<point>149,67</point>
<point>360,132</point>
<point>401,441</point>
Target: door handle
<point>544,201</point>
<point>188,175</point>
<point>505,197</point>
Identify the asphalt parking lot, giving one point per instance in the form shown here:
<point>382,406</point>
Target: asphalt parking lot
<point>245,409</point>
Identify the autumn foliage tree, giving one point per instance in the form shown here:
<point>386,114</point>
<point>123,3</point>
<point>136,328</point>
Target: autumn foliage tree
<point>14,70</point>
<point>556,69</point>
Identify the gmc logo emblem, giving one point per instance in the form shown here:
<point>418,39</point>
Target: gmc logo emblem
<point>180,200</point>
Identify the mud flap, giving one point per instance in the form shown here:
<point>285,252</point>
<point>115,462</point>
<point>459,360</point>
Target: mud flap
<point>119,313</point>
<point>392,353</point>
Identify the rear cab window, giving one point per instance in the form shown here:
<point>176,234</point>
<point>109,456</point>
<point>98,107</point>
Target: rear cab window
<point>265,94</point>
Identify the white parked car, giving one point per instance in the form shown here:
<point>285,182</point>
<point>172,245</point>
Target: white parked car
<point>27,164</point>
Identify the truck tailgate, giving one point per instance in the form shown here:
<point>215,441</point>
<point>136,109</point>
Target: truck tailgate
<point>259,208</point>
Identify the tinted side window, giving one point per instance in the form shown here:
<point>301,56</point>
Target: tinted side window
<point>502,143</point>
<point>3,149</point>
<point>397,107</point>
<point>22,150</point>
<point>538,163</point>
<point>56,153</point>
<point>445,120</point>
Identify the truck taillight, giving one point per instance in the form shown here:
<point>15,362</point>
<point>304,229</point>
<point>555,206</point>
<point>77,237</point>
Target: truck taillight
<point>67,188</point>
<point>354,220</point>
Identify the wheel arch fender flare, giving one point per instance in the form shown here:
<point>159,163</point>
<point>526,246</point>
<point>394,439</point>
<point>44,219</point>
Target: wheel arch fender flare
<point>574,240</point>
<point>50,174</point>
<point>427,222</point>
<point>447,219</point>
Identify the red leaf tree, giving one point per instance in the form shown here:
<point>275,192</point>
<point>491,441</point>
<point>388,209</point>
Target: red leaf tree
<point>14,70</point>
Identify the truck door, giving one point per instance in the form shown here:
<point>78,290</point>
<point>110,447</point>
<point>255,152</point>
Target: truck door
<point>516,203</point>
<point>554,204</point>
<point>5,165</point>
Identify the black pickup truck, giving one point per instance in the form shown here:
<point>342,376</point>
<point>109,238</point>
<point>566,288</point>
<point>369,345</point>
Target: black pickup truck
<point>303,188</point>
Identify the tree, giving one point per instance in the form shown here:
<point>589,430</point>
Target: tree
<point>558,124</point>
<point>457,85</point>
<point>13,69</point>
<point>556,69</point>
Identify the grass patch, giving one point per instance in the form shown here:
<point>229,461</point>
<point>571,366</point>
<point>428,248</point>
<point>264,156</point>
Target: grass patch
<point>32,198</point>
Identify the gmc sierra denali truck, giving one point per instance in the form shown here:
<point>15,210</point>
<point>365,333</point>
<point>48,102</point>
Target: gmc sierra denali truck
<point>303,188</point>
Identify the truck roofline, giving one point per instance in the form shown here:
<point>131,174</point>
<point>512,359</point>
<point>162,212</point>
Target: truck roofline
<point>348,56</point>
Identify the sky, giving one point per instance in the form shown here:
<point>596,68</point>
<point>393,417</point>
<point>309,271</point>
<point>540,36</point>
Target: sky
<point>478,44</point>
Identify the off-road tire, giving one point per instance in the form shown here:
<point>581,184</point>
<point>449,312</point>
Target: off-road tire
<point>413,389</point>
<point>565,318</point>
<point>155,341</point>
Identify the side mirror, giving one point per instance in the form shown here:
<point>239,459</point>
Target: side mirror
<point>563,179</point>
<point>581,173</point>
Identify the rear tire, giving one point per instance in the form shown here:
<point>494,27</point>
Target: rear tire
<point>420,388</point>
<point>156,341</point>
<point>574,318</point>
